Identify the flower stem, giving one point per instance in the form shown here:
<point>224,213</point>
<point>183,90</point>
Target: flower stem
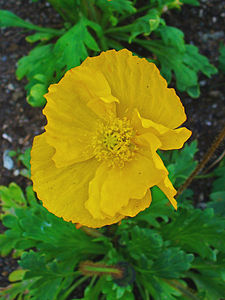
<point>205,159</point>
<point>74,286</point>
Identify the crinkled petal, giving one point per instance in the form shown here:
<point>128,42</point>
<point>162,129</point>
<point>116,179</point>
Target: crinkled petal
<point>167,188</point>
<point>74,107</point>
<point>64,191</point>
<point>112,188</point>
<point>136,205</point>
<point>138,84</point>
<point>169,138</point>
<point>165,185</point>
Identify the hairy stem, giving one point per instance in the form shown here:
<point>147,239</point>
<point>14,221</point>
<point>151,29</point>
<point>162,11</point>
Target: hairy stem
<point>205,159</point>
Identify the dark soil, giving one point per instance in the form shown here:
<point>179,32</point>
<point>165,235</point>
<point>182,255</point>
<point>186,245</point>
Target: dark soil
<point>19,123</point>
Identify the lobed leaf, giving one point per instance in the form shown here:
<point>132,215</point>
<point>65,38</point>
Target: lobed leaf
<point>119,6</point>
<point>185,65</point>
<point>146,24</point>
<point>196,231</point>
<point>46,64</point>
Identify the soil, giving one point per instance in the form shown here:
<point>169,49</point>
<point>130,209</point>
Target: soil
<point>19,123</point>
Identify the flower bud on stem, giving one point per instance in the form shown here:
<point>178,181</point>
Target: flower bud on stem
<point>90,268</point>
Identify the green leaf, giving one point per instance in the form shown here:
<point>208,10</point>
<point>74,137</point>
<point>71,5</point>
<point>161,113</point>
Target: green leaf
<point>70,10</point>
<point>209,277</point>
<point>35,97</point>
<point>146,24</point>
<point>218,190</point>
<point>160,288</point>
<point>11,197</point>
<point>71,48</point>
<point>119,6</point>
<point>114,291</point>
<point>140,243</point>
<point>196,231</point>
<point>159,209</point>
<point>217,203</point>
<point>222,58</point>
<point>8,19</point>
<point>46,64</point>
<point>49,276</point>
<point>219,183</point>
<point>16,291</point>
<point>180,163</point>
<point>17,275</point>
<point>198,62</point>
<point>25,159</point>
<point>185,65</point>
<point>172,36</point>
<point>171,263</point>
<point>39,36</point>
<point>39,61</point>
<point>191,2</point>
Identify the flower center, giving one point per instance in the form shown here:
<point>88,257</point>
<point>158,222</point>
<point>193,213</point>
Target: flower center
<point>114,142</point>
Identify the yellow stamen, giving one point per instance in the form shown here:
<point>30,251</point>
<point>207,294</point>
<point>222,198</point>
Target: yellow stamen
<point>114,142</point>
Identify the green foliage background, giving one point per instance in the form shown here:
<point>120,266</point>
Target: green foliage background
<point>95,25</point>
<point>165,254</point>
<point>174,255</point>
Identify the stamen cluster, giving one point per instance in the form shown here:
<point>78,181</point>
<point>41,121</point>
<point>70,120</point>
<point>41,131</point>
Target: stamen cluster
<point>114,142</point>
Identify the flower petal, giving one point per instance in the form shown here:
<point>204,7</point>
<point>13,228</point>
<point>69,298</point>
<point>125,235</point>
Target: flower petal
<point>64,191</point>
<point>170,138</point>
<point>165,185</point>
<point>167,188</point>
<point>74,107</point>
<point>138,84</point>
<point>136,205</point>
<point>112,188</point>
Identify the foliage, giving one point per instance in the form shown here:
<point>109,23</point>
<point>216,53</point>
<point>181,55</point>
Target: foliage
<point>164,254</point>
<point>222,58</point>
<point>92,26</point>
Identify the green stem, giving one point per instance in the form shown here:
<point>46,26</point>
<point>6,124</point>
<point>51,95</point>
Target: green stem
<point>91,232</point>
<point>46,30</point>
<point>204,176</point>
<point>67,12</point>
<point>92,10</point>
<point>74,286</point>
<point>147,295</point>
<point>141,9</point>
<point>182,289</point>
<point>125,28</point>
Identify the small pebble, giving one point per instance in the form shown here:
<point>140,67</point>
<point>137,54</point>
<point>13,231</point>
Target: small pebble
<point>202,82</point>
<point>200,13</point>
<point>21,140</point>
<point>16,172</point>
<point>10,87</point>
<point>208,123</point>
<point>214,94</point>
<point>7,137</point>
<point>7,161</point>
<point>4,58</point>
<point>202,205</point>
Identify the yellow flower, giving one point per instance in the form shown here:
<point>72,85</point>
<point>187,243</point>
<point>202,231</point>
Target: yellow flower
<point>97,159</point>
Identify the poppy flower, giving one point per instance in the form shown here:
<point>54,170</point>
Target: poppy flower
<point>97,159</point>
